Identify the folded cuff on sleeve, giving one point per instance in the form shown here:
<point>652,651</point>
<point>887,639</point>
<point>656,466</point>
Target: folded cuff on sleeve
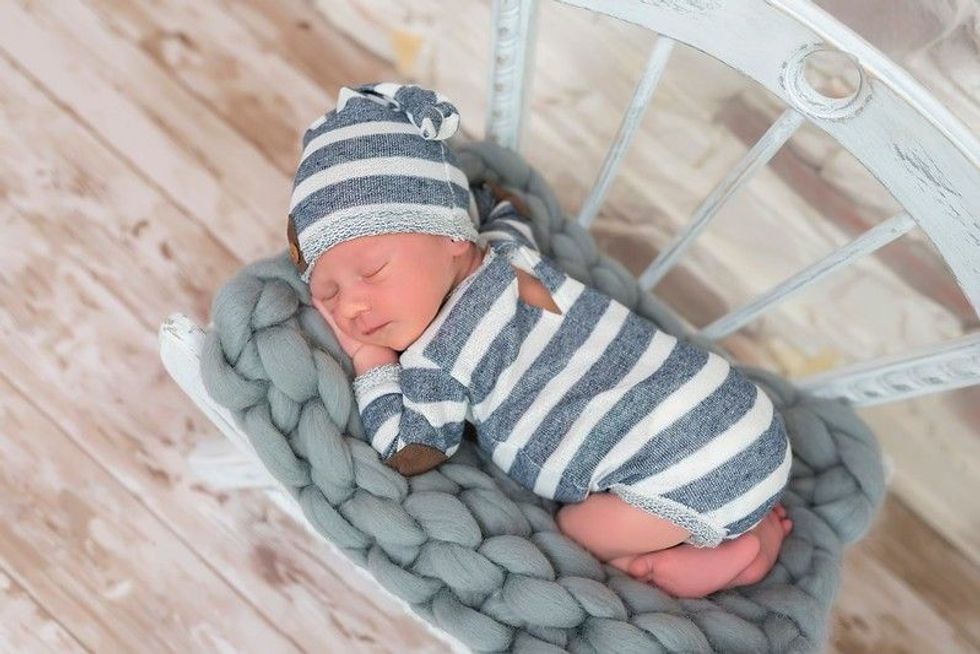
<point>370,380</point>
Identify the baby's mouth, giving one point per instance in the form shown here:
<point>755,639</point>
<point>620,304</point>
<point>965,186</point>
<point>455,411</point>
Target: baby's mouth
<point>371,331</point>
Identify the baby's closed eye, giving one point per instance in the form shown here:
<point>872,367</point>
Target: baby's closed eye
<point>332,288</point>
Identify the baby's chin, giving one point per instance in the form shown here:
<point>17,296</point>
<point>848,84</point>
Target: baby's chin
<point>397,337</point>
<point>400,334</point>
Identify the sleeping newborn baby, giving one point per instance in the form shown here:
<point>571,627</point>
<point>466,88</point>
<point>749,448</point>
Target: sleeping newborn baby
<point>669,461</point>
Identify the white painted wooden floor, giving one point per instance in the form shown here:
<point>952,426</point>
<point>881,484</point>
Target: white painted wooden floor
<point>145,156</point>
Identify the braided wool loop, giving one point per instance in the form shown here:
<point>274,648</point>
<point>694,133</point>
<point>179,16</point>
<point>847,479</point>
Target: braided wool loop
<point>469,549</point>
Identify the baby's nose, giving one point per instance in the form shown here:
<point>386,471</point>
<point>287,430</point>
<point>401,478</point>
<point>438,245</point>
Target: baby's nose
<point>353,308</point>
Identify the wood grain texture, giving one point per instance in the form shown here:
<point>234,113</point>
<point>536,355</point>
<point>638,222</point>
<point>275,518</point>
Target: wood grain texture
<point>903,589</point>
<point>933,169</point>
<point>120,253</point>
<point>145,155</point>
<point>148,119</point>
<point>26,626</point>
<point>89,550</point>
<point>632,118</point>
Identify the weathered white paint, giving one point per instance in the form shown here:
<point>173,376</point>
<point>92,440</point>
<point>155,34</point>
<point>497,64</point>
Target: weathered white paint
<point>873,239</point>
<point>181,342</point>
<point>659,57</point>
<point>514,29</point>
<point>922,154</point>
<point>942,367</point>
<point>755,158</point>
<point>226,466</point>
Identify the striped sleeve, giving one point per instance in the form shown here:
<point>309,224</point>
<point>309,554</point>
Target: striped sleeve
<point>505,223</point>
<point>411,404</point>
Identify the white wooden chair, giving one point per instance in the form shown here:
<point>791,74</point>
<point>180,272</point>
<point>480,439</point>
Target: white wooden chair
<point>926,158</point>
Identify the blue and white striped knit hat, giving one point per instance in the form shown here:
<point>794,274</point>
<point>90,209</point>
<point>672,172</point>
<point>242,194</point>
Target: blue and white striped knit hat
<point>378,164</point>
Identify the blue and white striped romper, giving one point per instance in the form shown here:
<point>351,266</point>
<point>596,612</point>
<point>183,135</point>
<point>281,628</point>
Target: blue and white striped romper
<point>595,399</point>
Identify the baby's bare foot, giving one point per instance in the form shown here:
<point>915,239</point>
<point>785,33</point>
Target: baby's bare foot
<point>771,532</point>
<point>688,571</point>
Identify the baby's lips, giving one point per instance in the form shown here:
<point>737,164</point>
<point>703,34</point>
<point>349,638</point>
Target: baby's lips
<point>371,330</point>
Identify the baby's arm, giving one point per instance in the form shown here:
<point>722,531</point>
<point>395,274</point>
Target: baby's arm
<point>413,415</point>
<point>507,221</point>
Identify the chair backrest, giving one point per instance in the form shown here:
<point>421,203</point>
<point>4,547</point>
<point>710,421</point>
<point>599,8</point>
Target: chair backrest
<point>918,150</point>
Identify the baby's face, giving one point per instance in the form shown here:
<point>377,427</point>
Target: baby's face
<point>386,289</point>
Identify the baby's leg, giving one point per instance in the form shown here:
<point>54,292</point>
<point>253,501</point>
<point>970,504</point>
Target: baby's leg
<point>633,540</point>
<point>610,528</point>
<point>687,571</point>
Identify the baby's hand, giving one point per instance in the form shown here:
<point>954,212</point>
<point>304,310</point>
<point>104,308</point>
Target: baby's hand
<point>347,342</point>
<point>364,355</point>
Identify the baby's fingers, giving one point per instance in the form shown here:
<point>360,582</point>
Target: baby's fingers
<point>349,345</point>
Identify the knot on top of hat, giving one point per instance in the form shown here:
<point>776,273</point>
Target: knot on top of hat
<point>436,122</point>
<point>435,117</point>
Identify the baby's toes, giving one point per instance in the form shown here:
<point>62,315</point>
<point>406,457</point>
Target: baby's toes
<point>787,525</point>
<point>640,567</point>
<point>780,510</point>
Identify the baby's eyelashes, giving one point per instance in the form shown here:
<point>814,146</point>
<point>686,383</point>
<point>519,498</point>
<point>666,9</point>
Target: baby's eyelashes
<point>331,291</point>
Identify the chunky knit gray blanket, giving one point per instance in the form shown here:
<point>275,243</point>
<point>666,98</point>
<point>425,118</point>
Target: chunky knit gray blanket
<point>468,549</point>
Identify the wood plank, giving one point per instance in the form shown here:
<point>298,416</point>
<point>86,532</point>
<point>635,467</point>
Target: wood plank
<point>170,138</point>
<point>261,554</point>
<point>167,261</point>
<point>448,50</point>
<point>873,239</point>
<point>879,609</point>
<point>111,282</point>
<point>252,88</point>
<point>240,69</point>
<point>740,174</point>
<point>311,42</point>
<point>84,549</point>
<point>916,262</point>
<point>937,463</point>
<point>632,117</point>
<point>941,575</point>
<point>64,189</point>
<point>26,626</point>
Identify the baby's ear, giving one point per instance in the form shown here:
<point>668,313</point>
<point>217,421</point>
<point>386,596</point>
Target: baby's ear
<point>457,247</point>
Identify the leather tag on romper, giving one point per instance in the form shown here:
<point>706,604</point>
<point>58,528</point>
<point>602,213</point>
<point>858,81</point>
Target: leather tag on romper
<point>294,252</point>
<point>414,459</point>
